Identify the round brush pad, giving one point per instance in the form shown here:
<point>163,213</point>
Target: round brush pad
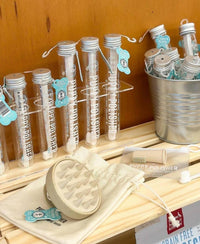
<point>72,189</point>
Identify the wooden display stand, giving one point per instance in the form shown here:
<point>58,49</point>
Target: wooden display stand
<point>133,212</point>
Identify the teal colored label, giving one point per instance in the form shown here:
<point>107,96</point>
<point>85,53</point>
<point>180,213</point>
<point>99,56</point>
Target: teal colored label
<point>123,60</point>
<point>180,43</point>
<point>35,215</point>
<point>60,87</point>
<point>7,115</point>
<point>162,41</point>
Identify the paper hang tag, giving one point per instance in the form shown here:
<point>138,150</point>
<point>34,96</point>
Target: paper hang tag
<point>7,115</point>
<point>162,41</point>
<point>61,92</point>
<point>123,60</point>
<point>35,215</point>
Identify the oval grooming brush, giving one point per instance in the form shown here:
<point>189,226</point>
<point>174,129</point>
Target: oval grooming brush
<point>72,188</point>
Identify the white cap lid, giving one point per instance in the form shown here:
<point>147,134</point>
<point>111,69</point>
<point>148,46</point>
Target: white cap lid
<point>187,28</point>
<point>66,48</point>
<point>158,30</point>
<point>15,81</point>
<point>89,44</point>
<point>112,40</point>
<point>173,53</point>
<point>42,76</point>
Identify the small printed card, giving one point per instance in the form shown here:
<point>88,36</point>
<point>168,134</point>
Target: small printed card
<point>161,231</point>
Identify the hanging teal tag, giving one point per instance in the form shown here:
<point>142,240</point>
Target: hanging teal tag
<point>61,92</point>
<point>35,215</point>
<point>198,45</point>
<point>162,41</point>
<point>7,115</point>
<point>180,43</point>
<point>197,77</point>
<point>123,60</point>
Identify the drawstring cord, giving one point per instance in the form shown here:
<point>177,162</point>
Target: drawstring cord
<point>164,206</point>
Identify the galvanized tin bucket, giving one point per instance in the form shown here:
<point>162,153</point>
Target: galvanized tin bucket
<point>176,106</point>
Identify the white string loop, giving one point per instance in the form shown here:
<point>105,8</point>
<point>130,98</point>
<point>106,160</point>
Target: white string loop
<point>184,21</point>
<point>133,40</point>
<point>79,66</point>
<point>46,53</point>
<point>173,220</point>
<point>28,71</point>
<point>142,37</point>
<point>148,67</point>
<point>105,60</point>
<point>5,90</point>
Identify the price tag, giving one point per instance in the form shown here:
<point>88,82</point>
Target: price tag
<point>7,115</point>
<point>162,41</point>
<point>123,60</point>
<point>61,92</point>
<point>35,215</point>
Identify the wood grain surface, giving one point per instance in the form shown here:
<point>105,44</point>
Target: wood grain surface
<point>134,211</point>
<point>28,28</point>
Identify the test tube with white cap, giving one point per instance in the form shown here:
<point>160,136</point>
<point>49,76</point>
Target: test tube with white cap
<point>15,85</point>
<point>90,48</point>
<point>67,67</point>
<point>187,31</point>
<point>112,42</point>
<point>42,80</point>
<point>159,32</point>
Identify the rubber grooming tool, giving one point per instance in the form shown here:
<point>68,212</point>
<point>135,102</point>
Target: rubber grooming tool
<point>72,189</point>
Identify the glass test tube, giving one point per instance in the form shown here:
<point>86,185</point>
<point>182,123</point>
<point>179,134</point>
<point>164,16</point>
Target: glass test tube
<point>42,80</point>
<point>90,47</point>
<point>15,85</point>
<point>3,157</point>
<point>187,32</point>
<point>112,42</point>
<point>67,67</point>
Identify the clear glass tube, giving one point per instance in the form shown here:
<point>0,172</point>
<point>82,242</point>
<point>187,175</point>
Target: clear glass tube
<point>190,45</point>
<point>91,77</point>
<point>15,84</point>
<point>3,152</point>
<point>112,98</point>
<point>70,125</point>
<point>46,118</point>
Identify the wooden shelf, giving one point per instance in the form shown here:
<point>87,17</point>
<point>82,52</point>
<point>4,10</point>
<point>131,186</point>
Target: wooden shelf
<point>141,135</point>
<point>134,210</point>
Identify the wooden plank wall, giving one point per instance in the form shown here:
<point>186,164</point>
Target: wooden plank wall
<point>28,28</point>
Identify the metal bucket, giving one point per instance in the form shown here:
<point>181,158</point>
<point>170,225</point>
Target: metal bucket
<point>176,105</point>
